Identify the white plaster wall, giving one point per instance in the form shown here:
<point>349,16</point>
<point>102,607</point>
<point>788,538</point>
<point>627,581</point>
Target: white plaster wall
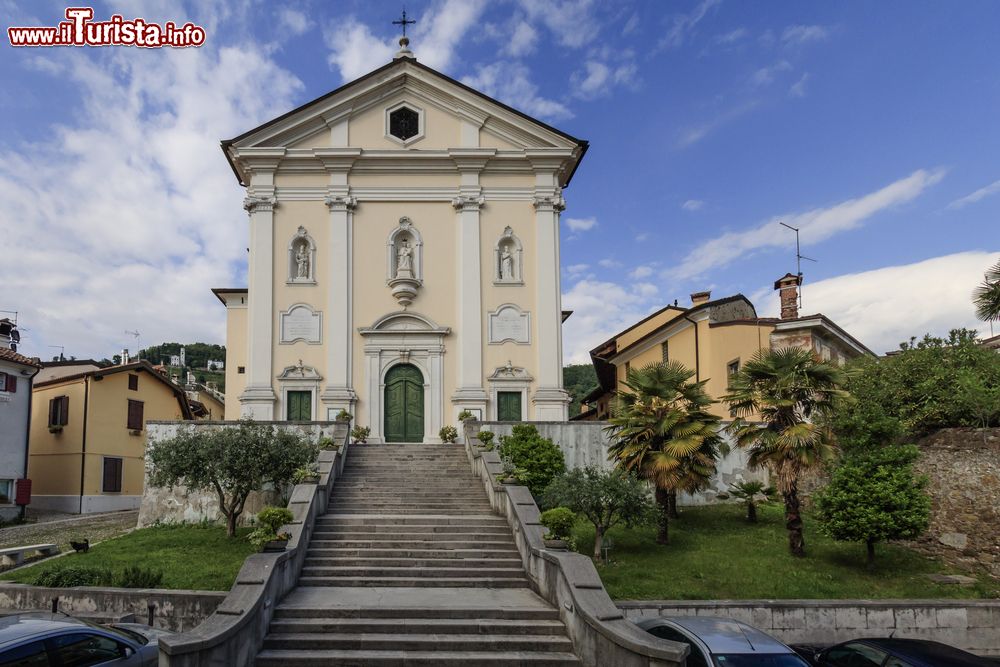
<point>14,409</point>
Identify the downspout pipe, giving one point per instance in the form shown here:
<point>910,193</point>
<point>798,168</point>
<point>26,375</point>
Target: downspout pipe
<point>697,354</point>
<point>83,446</point>
<point>27,431</point>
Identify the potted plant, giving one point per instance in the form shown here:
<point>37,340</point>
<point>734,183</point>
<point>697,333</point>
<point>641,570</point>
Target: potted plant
<point>327,443</point>
<point>509,474</point>
<point>344,416</point>
<point>266,536</point>
<point>306,475</point>
<point>360,434</point>
<point>559,521</point>
<point>485,440</point>
<point>448,434</point>
<point>465,414</point>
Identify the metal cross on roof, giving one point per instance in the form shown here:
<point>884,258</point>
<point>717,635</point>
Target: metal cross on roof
<point>403,22</point>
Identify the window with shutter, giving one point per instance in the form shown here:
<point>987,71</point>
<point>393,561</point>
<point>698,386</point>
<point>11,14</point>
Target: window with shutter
<point>134,415</point>
<point>112,475</point>
<point>8,382</point>
<point>133,382</point>
<point>59,411</point>
<point>665,351</point>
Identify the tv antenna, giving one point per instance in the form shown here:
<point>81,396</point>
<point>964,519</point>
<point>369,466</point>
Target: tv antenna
<point>798,257</point>
<point>138,348</point>
<point>62,349</point>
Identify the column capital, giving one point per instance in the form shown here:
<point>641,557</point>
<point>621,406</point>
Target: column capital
<point>468,202</point>
<point>253,203</point>
<point>549,203</point>
<point>340,202</point>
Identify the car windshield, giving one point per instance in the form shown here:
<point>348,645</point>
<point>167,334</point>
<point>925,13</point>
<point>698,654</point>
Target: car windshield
<point>142,640</point>
<point>760,660</point>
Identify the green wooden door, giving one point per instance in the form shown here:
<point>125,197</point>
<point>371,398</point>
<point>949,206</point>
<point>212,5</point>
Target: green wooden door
<point>509,406</point>
<point>299,406</point>
<point>404,404</point>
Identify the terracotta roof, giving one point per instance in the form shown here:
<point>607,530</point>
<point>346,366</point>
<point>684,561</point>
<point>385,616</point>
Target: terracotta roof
<point>8,354</point>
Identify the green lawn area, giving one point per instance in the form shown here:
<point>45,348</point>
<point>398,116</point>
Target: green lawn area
<point>198,557</point>
<point>715,554</point>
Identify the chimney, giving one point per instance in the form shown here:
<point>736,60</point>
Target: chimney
<point>125,357</point>
<point>698,298</point>
<point>788,286</point>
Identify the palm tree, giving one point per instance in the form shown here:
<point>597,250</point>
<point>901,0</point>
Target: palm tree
<point>790,390</point>
<point>751,493</point>
<point>662,431</point>
<point>986,296</point>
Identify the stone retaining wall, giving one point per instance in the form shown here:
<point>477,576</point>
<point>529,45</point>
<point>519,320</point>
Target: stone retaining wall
<point>973,625</point>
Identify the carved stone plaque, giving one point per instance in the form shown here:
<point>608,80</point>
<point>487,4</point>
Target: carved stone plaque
<point>301,323</point>
<point>508,323</point>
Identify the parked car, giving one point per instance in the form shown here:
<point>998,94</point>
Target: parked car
<point>40,640</point>
<point>890,653</point>
<point>722,642</point>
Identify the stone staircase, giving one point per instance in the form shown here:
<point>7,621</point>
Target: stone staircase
<point>410,566</point>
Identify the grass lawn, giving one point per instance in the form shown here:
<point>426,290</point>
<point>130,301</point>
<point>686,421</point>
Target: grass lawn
<point>715,554</point>
<point>198,557</point>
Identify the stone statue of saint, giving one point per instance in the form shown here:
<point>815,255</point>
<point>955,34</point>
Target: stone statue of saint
<point>302,262</point>
<point>404,260</point>
<point>506,264</point>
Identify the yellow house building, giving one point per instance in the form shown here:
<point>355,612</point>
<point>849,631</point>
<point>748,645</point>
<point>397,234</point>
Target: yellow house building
<point>713,338</point>
<point>88,436</point>
<point>404,259</point>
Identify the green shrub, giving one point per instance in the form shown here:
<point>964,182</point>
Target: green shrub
<point>486,437</point>
<point>344,416</point>
<point>537,459</point>
<point>361,433</point>
<point>327,443</point>
<point>306,472</point>
<point>448,434</point>
<point>134,576</point>
<point>65,577</point>
<point>559,521</point>
<point>465,414</point>
<point>274,518</point>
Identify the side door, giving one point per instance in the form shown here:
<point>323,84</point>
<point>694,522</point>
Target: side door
<point>31,654</point>
<point>83,649</point>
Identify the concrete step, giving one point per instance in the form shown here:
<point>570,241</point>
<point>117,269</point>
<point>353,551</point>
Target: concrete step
<point>372,658</point>
<point>419,626</point>
<point>369,554</point>
<point>403,615</point>
<point>409,642</point>
<point>415,571</point>
<point>407,535</point>
<point>405,510</point>
<point>410,544</point>
<point>417,582</point>
<point>416,528</point>
<point>411,561</point>
<point>483,519</point>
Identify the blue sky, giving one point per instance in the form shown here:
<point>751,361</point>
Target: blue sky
<point>872,126</point>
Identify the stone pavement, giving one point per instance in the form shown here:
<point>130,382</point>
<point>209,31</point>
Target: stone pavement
<point>60,528</point>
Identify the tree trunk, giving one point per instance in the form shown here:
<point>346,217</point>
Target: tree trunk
<point>598,541</point>
<point>793,521</point>
<point>871,554</point>
<point>672,504</point>
<point>231,518</point>
<point>663,517</point>
<point>751,511</point>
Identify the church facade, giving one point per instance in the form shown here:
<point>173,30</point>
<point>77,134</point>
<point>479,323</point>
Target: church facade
<point>403,259</point>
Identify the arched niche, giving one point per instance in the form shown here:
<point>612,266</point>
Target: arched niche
<point>404,251</point>
<point>302,258</point>
<point>508,259</point>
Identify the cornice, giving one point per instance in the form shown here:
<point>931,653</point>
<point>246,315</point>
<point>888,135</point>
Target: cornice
<point>468,202</point>
<point>254,203</point>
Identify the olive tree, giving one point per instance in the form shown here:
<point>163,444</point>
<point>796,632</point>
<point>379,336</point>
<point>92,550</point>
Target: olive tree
<point>605,497</point>
<point>230,461</point>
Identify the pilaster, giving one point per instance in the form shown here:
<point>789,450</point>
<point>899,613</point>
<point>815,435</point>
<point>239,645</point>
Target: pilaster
<point>470,394</point>
<point>258,399</point>
<point>339,392</point>
<point>550,400</point>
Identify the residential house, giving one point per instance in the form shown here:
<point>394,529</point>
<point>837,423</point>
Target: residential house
<point>16,375</point>
<point>713,338</point>
<point>88,435</point>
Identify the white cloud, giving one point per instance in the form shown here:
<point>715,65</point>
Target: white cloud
<point>128,213</point>
<point>887,306</point>
<point>801,34</point>
<point>693,135</point>
<point>731,37</point>
<point>798,88</point>
<point>608,263</point>
<point>692,205</point>
<point>522,40</point>
<point>684,24</point>
<point>577,269</point>
<point>598,79</point>
<point>293,21</point>
<point>765,75</point>
<point>991,189</point>
<point>631,24</point>
<point>571,21</point>
<point>641,272</point>
<point>511,83</point>
<point>816,225</point>
<point>355,50</point>
<point>581,224</point>
<point>639,238</point>
<point>601,309</point>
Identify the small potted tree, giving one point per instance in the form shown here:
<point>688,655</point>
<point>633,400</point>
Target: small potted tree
<point>485,440</point>
<point>509,470</point>
<point>465,414</point>
<point>308,474</point>
<point>448,434</point>
<point>559,521</point>
<point>326,443</point>
<point>266,536</point>
<point>360,434</point>
<point>344,416</point>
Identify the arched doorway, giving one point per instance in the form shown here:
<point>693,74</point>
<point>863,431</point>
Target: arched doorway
<point>404,404</point>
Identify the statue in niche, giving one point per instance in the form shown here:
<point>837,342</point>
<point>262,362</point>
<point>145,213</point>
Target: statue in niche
<point>404,260</point>
<point>302,262</point>
<point>506,264</point>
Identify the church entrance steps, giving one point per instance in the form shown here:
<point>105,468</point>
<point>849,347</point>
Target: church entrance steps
<point>410,566</point>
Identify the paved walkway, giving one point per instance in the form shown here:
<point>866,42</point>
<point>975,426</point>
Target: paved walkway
<point>60,529</point>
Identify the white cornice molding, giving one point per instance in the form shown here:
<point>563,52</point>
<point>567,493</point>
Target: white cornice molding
<point>252,204</point>
<point>549,202</point>
<point>340,202</point>
<point>468,202</point>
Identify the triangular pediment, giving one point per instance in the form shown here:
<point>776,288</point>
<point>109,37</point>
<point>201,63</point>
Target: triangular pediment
<point>358,111</point>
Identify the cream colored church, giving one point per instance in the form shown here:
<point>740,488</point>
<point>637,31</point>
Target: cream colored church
<point>404,259</point>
